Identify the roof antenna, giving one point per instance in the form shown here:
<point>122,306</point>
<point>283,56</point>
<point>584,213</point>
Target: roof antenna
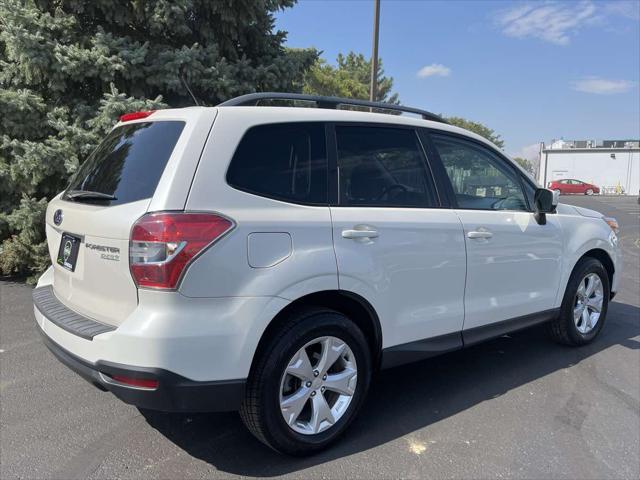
<point>186,86</point>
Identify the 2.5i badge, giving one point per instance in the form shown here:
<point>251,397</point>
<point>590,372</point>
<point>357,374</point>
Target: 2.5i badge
<point>68,251</point>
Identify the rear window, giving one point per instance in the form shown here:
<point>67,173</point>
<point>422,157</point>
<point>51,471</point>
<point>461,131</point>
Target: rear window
<point>128,163</point>
<point>282,161</point>
<point>382,167</point>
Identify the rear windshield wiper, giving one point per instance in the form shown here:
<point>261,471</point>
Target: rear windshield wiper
<point>77,194</point>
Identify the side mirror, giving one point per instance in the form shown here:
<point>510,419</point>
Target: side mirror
<point>544,201</point>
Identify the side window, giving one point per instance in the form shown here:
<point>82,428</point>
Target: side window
<point>283,161</point>
<point>480,178</point>
<point>382,167</point>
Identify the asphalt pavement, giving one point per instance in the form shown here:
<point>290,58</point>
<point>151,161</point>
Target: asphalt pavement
<point>519,407</point>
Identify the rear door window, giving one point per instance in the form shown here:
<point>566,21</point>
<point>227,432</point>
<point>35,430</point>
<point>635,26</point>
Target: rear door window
<point>382,167</point>
<point>128,163</point>
<point>286,161</point>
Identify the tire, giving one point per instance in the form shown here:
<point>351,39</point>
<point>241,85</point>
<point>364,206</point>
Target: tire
<point>261,409</point>
<point>568,330</point>
<point>589,192</point>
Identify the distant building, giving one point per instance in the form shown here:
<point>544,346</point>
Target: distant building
<point>613,165</point>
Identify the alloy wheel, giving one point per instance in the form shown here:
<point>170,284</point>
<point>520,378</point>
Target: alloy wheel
<point>588,303</point>
<point>318,385</point>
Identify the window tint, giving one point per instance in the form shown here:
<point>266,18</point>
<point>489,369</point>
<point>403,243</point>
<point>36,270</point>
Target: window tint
<point>129,162</point>
<point>481,180</point>
<point>382,167</point>
<point>283,161</point>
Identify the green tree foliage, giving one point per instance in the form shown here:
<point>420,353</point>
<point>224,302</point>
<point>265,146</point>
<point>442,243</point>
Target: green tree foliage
<point>478,128</point>
<point>350,78</point>
<point>526,164</point>
<point>69,68</point>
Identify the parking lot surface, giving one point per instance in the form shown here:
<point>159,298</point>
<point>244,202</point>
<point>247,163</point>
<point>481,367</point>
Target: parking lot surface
<point>519,407</point>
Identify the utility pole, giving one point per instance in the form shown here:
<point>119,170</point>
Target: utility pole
<point>374,59</point>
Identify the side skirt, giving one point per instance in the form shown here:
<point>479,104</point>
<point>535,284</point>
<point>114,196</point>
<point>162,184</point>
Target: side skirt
<point>493,330</point>
<point>431,347</point>
<point>421,349</point>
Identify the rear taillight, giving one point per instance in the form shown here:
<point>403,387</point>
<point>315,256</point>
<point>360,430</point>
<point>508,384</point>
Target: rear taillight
<point>163,244</point>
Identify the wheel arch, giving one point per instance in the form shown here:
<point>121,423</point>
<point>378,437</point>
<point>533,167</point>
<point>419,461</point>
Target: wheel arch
<point>597,253</point>
<point>352,305</point>
<point>604,258</point>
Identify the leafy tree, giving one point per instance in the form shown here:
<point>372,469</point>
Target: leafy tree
<point>350,78</point>
<point>526,164</point>
<point>478,128</point>
<point>69,68</point>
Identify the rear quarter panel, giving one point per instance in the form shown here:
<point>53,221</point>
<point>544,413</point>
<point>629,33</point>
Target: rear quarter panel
<point>173,187</point>
<point>225,270</point>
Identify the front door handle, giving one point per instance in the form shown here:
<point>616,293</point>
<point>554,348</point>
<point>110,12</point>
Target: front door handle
<point>480,234</point>
<point>360,232</point>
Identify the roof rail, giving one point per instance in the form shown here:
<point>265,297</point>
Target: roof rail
<point>252,99</point>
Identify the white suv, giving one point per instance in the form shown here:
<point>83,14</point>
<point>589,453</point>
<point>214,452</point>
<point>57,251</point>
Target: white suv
<point>271,259</point>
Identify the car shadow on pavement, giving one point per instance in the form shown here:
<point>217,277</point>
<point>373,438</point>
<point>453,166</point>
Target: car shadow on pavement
<point>401,400</point>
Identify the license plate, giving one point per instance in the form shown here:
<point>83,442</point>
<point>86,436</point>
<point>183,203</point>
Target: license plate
<point>68,252</point>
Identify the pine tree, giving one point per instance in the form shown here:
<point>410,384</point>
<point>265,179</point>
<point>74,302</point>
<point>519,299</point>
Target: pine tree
<point>69,68</point>
<point>350,78</point>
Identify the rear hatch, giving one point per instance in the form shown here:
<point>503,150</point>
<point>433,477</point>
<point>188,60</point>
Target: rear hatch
<point>89,224</point>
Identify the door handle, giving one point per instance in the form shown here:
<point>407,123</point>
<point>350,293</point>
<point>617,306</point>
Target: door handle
<point>480,234</point>
<point>360,233</point>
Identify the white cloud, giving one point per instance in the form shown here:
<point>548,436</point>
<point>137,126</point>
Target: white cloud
<point>530,152</point>
<point>435,69</point>
<point>549,21</point>
<point>602,86</point>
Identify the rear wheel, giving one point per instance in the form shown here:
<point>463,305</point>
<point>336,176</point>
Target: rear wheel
<point>584,306</point>
<point>308,383</point>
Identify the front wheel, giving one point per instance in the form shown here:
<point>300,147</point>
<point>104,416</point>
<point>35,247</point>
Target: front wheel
<point>589,191</point>
<point>308,383</point>
<point>584,306</point>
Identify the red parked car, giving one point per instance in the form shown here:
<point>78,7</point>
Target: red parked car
<point>566,186</point>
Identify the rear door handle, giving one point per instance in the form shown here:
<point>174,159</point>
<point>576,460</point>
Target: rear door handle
<point>360,233</point>
<point>480,234</point>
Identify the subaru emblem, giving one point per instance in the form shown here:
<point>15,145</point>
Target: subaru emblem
<point>57,217</point>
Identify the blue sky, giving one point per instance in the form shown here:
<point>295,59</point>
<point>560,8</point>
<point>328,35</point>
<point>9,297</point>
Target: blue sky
<point>532,71</point>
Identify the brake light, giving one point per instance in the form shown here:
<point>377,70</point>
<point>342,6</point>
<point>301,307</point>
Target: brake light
<point>163,244</point>
<point>127,117</point>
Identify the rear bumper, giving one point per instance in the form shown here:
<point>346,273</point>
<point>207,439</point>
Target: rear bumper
<point>199,339</point>
<point>173,394</point>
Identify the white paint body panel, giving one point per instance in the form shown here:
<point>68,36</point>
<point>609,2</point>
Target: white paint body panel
<point>267,249</point>
<point>99,289</point>
<point>224,270</point>
<point>199,338</point>
<point>516,271</point>
<point>413,273</point>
